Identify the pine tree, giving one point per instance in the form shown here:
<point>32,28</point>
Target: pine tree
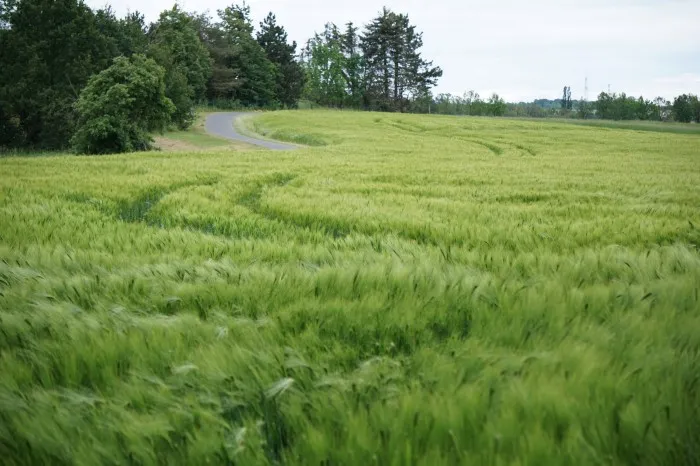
<point>395,70</point>
<point>224,82</point>
<point>375,44</point>
<point>289,73</point>
<point>254,74</point>
<point>352,65</point>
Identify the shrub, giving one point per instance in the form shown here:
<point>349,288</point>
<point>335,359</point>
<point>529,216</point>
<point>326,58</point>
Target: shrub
<point>120,107</point>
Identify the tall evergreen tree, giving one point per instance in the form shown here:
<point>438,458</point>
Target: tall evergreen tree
<point>253,75</point>
<point>566,102</point>
<point>376,48</point>
<point>224,81</point>
<point>395,70</point>
<point>289,73</point>
<point>353,65</point>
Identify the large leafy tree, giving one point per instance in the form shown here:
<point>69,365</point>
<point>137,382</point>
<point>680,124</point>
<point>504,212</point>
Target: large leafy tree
<point>686,108</point>
<point>324,63</point>
<point>176,46</point>
<point>121,106</point>
<point>48,51</point>
<point>289,73</point>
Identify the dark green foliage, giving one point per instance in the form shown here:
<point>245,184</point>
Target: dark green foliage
<point>621,107</point>
<point>48,54</point>
<point>566,102</point>
<point>607,107</point>
<point>395,70</point>
<point>127,35</point>
<point>496,106</point>
<point>353,69</point>
<point>469,104</point>
<point>242,75</point>
<point>179,91</point>
<point>10,131</point>
<point>224,81</point>
<point>120,107</point>
<point>289,73</point>
<point>176,46</point>
<point>585,109</point>
<point>686,108</point>
<point>254,72</point>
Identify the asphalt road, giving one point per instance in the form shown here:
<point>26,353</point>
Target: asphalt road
<point>221,124</point>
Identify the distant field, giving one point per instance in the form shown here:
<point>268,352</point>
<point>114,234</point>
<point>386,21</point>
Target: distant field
<point>412,290</point>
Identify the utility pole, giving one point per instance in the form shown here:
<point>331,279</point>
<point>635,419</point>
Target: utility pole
<point>585,93</point>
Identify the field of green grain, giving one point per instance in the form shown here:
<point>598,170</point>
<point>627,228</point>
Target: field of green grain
<point>408,290</point>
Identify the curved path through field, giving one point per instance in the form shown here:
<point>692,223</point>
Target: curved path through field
<point>221,124</point>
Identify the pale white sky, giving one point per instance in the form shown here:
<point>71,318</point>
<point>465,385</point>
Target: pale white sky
<point>520,49</point>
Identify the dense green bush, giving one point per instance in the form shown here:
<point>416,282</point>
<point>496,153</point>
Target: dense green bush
<point>686,108</point>
<point>120,106</point>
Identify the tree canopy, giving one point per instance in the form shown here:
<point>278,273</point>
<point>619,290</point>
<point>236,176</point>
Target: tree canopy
<point>47,55</point>
<point>380,69</point>
<point>289,75</point>
<point>121,106</point>
<point>686,108</point>
<point>175,45</point>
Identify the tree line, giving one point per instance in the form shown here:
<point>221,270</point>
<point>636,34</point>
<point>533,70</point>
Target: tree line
<point>608,106</point>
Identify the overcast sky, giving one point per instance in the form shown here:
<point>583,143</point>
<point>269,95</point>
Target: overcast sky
<point>519,49</point>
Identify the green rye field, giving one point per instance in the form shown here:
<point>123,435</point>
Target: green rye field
<point>406,290</point>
